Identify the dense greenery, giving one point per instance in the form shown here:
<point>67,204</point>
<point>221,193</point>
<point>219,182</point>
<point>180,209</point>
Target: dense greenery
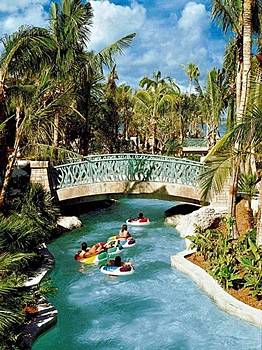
<point>21,233</point>
<point>233,263</point>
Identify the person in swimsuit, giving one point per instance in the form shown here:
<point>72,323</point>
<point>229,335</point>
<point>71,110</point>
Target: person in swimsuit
<point>86,251</point>
<point>123,233</point>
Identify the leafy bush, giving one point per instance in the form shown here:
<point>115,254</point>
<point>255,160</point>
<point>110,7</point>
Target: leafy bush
<point>33,225</point>
<point>233,263</point>
<point>20,234</point>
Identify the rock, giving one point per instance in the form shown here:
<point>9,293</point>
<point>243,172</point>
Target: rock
<point>174,220</point>
<point>69,222</point>
<point>203,218</point>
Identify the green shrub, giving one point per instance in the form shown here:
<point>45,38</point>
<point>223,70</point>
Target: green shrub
<point>233,263</point>
<point>33,225</point>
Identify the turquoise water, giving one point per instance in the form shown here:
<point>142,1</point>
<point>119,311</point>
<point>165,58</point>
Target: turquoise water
<point>156,308</point>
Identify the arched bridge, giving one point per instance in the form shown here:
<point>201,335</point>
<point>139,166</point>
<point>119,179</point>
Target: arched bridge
<point>101,176</point>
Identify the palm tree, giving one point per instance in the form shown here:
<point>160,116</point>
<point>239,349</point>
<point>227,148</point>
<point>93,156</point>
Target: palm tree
<point>223,155</point>
<point>70,27</point>
<point>125,104</point>
<point>239,17</point>
<point>33,123</point>
<point>213,102</point>
<point>89,82</point>
<point>193,73</point>
<point>155,100</point>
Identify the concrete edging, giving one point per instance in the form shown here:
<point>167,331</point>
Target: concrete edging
<point>224,300</point>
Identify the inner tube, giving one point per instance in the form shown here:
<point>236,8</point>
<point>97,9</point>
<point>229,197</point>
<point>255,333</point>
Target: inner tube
<point>130,242</point>
<point>117,271</point>
<point>97,259</point>
<point>138,222</point>
<point>112,252</point>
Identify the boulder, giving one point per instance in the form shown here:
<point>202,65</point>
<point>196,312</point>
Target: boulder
<point>204,218</point>
<point>69,222</point>
<point>174,220</point>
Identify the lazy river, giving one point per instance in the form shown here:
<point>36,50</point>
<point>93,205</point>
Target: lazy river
<point>155,308</point>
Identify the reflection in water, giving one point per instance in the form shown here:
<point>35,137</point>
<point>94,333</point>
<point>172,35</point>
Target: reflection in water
<point>155,308</point>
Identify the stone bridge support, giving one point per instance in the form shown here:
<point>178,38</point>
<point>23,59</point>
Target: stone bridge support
<point>221,200</point>
<point>40,173</point>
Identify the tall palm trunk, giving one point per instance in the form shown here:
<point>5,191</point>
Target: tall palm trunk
<point>56,130</point>
<point>11,159</point>
<point>238,83</point>
<point>233,196</point>
<point>85,135</point>
<point>259,217</point>
<point>242,97</point>
<point>247,34</point>
<point>153,123</point>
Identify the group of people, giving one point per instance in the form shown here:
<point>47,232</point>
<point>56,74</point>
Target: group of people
<point>100,247</point>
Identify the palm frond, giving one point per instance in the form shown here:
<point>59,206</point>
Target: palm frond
<point>226,13</point>
<point>8,318</point>
<point>106,56</point>
<point>215,176</point>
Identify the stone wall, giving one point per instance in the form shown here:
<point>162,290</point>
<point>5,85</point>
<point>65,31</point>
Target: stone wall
<point>40,173</point>
<point>221,199</point>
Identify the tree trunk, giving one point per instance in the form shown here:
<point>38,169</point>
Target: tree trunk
<point>3,145</point>
<point>238,84</point>
<point>153,136</point>
<point>85,135</point>
<point>11,160</point>
<point>247,34</point>
<point>243,83</point>
<point>56,130</point>
<point>259,217</point>
<point>233,196</point>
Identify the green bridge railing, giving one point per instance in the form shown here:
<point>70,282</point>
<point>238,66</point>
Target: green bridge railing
<point>127,167</point>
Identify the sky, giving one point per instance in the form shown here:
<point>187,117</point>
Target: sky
<point>170,33</point>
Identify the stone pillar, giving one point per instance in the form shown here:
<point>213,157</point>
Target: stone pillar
<point>221,199</point>
<point>40,173</point>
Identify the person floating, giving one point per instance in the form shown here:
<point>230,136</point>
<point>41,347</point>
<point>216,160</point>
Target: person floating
<point>117,267</point>
<point>139,220</point>
<point>123,233</point>
<point>86,251</point>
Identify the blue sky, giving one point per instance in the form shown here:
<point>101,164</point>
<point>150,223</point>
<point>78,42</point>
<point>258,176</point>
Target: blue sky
<point>170,33</point>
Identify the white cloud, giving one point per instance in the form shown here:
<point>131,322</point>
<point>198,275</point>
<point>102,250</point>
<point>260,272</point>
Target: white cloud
<point>35,16</point>
<point>16,5</point>
<point>169,34</point>
<point>15,13</point>
<point>111,22</point>
<point>194,17</point>
<point>166,44</point>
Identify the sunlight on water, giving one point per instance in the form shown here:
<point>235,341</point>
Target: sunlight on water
<point>156,308</point>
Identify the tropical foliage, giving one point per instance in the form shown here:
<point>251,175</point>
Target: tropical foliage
<point>21,233</point>
<point>234,264</point>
